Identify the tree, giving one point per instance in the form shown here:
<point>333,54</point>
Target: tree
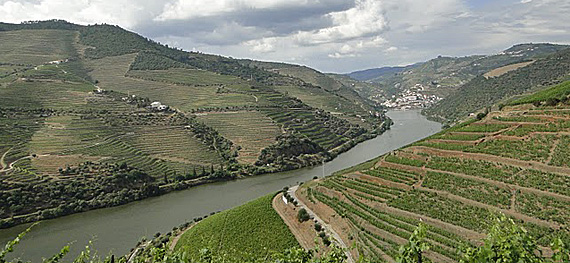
<point>303,215</point>
<point>412,251</point>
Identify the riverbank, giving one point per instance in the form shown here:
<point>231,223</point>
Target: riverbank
<point>121,195</point>
<point>117,228</point>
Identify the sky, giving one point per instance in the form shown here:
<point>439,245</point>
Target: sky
<point>329,35</point>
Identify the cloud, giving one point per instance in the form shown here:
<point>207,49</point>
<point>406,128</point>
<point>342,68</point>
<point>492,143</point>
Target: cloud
<point>364,19</point>
<point>127,13</point>
<point>391,49</point>
<point>262,46</point>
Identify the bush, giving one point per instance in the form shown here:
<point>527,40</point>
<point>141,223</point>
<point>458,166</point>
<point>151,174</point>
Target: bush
<point>303,215</point>
<point>481,115</point>
<point>318,227</point>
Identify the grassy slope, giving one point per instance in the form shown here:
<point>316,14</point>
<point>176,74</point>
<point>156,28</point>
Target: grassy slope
<point>250,228</point>
<point>557,92</point>
<point>35,46</point>
<point>459,189</point>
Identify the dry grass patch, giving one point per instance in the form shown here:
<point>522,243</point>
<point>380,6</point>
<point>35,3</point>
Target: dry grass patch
<point>502,70</point>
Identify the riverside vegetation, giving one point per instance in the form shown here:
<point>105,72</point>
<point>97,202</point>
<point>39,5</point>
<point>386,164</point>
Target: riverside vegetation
<point>97,116</point>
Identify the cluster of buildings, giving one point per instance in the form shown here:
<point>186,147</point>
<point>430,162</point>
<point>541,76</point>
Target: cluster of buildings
<point>411,99</point>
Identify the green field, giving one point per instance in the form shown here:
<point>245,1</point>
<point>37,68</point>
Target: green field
<point>557,92</point>
<point>253,228</point>
<point>36,47</point>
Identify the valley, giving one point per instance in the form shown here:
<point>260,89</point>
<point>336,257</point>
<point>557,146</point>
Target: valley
<point>138,151</point>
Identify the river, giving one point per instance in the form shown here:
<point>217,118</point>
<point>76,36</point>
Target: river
<point>117,229</point>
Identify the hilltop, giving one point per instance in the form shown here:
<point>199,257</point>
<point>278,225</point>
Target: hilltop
<point>96,116</point>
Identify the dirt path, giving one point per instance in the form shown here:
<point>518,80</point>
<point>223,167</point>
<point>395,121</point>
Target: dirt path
<point>11,165</point>
<point>177,237</point>
<point>304,233</point>
<point>328,228</point>
<point>2,161</point>
<point>493,158</point>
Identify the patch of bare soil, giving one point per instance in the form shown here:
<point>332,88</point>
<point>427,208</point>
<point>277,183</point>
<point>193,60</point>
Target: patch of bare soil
<point>502,70</point>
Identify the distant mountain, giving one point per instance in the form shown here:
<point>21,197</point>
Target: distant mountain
<point>441,76</point>
<point>481,91</point>
<point>369,74</point>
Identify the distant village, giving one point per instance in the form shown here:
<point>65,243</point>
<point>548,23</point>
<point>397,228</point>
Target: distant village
<point>411,98</point>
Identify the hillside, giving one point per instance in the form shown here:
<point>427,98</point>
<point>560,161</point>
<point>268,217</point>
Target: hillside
<point>441,76</point>
<point>514,161</point>
<point>250,229</point>
<point>96,116</point>
<point>374,73</point>
<point>484,92</point>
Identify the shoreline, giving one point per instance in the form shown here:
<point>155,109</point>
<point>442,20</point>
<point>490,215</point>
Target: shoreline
<point>10,222</point>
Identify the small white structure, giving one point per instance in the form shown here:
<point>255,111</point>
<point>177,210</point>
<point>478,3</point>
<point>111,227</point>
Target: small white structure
<point>99,90</point>
<point>155,104</point>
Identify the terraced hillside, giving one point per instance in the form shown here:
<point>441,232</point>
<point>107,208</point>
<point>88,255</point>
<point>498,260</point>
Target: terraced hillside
<point>96,116</point>
<point>515,161</point>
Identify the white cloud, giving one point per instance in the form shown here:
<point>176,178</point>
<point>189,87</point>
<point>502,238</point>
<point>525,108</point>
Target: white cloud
<point>262,46</point>
<point>391,49</point>
<point>365,18</point>
<point>127,13</point>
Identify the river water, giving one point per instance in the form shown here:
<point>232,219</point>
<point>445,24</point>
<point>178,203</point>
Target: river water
<point>117,229</point>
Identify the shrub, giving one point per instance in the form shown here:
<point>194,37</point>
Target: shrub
<point>303,215</point>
